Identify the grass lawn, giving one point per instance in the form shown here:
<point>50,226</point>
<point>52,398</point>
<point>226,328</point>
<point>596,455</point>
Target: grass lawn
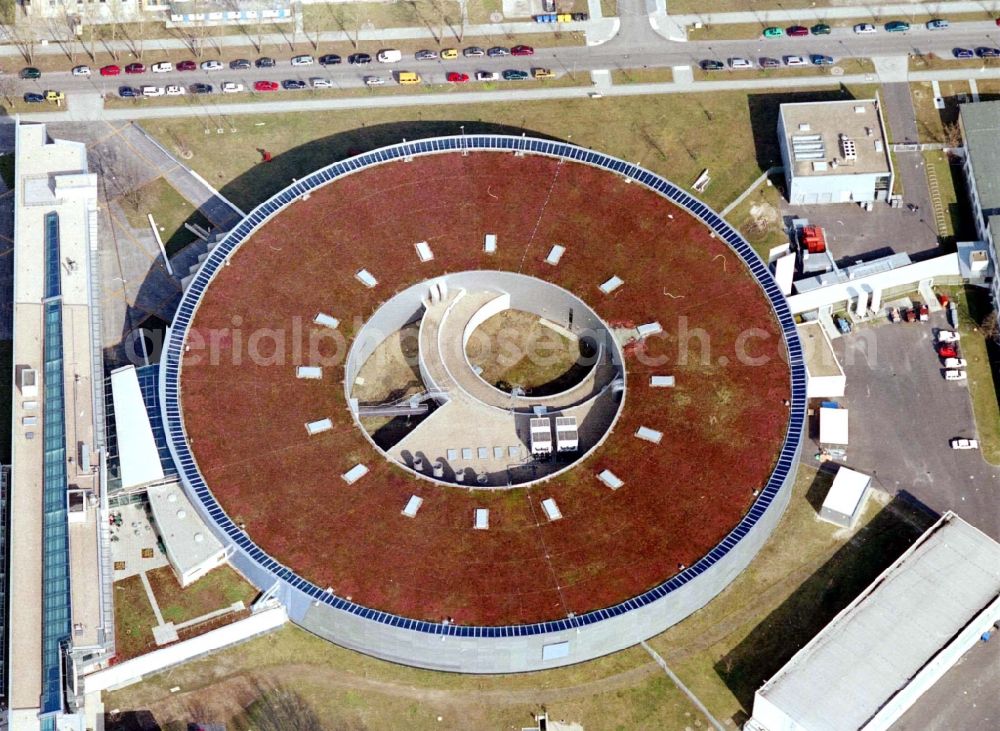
<point>678,136</point>
<point>641,76</point>
<point>218,589</point>
<point>803,576</point>
<point>933,62</point>
<point>170,211</point>
<point>6,394</point>
<point>609,8</point>
<point>930,120</point>
<point>952,198</point>
<point>758,218</point>
<point>134,619</point>
<point>441,17</point>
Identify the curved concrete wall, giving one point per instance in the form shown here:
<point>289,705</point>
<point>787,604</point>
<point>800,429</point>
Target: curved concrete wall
<point>489,649</point>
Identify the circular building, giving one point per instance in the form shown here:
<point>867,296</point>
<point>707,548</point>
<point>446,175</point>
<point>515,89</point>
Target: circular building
<point>485,403</point>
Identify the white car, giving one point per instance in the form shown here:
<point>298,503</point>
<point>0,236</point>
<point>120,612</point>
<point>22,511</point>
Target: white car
<point>175,90</point>
<point>795,61</point>
<point>954,363</point>
<point>231,87</point>
<point>954,375</point>
<point>81,71</point>
<point>374,81</point>
<point>959,443</point>
<point>304,60</point>
<point>740,63</point>
<point>162,67</point>
<point>318,83</point>
<point>212,65</point>
<point>487,76</point>
<point>865,29</point>
<point>948,336</point>
<point>152,91</point>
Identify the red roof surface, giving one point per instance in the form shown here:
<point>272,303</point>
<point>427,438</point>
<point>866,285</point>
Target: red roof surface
<point>723,424</point>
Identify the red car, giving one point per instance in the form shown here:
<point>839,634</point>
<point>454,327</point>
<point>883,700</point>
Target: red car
<point>135,68</point>
<point>457,78</point>
<point>798,30</point>
<point>187,66</point>
<point>111,70</point>
<point>265,86</point>
<point>528,50</point>
<point>947,350</point>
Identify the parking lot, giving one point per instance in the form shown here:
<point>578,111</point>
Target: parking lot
<point>903,414</point>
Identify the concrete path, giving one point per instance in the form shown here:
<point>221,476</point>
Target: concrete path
<point>683,688</point>
<point>897,107</point>
<point>151,597</point>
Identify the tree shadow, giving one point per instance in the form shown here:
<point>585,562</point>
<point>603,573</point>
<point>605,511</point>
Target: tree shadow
<point>774,641</point>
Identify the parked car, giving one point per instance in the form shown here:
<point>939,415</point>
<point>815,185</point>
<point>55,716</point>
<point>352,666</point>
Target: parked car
<point>473,52</point>
<point>962,443</point>
<point>865,29</point>
<point>200,88</point>
<point>232,87</point>
<point>963,53</point>
<point>266,86</point>
<point>52,95</point>
<point>330,59</point>
<point>449,54</point>
<point>265,62</point>
<point>303,60</point>
<point>842,324</point>
<point>924,313</point>
<point>153,91</point>
<point>320,83</point>
<point>357,59</point>
<point>540,73</point>
<point>135,68</point>
<point>487,76</point>
<point>33,97</point>
<point>498,52</point>
<point>293,84</point>
<point>580,16</point>
<point>30,72</point>
<point>175,90</point>
<point>954,363</point>
<point>818,59</point>
<point>456,77</point>
<point>81,71</point>
<point>425,55</point>
<point>987,52</point>
<point>947,351</point>
<point>909,315</point>
<point>514,75</point>
<point>162,67</point>
<point>894,314</point>
<point>821,29</point>
<point>797,31</point>
<point>389,55</point>
<point>110,70</point>
<point>374,81</point>
<point>897,26</point>
<point>211,65</point>
<point>955,375</point>
<point>774,32</point>
<point>710,64</point>
<point>522,51</point>
<point>795,61</point>
<point>738,63</point>
<point>937,24</point>
<point>187,66</point>
<point>240,64</point>
<point>128,92</point>
<point>768,63</point>
<point>948,336</point>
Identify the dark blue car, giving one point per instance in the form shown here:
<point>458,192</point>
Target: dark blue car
<point>128,92</point>
<point>33,98</point>
<point>818,59</point>
<point>962,52</point>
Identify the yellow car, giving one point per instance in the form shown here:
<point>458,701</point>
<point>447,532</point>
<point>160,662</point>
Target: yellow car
<point>449,54</point>
<point>542,73</point>
<point>54,96</point>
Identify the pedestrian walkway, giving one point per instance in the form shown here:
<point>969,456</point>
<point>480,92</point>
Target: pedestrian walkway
<point>804,15</point>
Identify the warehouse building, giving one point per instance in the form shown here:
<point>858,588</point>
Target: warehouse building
<point>834,152</point>
<point>980,124</point>
<point>894,641</point>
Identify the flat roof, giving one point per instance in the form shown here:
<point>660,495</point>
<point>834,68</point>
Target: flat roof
<point>821,361</point>
<point>189,543</point>
<point>846,491</point>
<point>815,130</point>
<point>137,453</point>
<point>871,650</point>
<point>981,135</point>
<point>833,426</point>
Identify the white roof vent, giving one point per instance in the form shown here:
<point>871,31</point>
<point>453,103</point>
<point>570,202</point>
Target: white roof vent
<point>819,166</point>
<point>199,538</point>
<point>860,109</point>
<point>804,127</point>
<point>181,514</point>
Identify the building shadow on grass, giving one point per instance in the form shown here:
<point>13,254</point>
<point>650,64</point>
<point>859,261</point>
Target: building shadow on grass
<point>764,118</point>
<point>267,178</point>
<point>811,607</point>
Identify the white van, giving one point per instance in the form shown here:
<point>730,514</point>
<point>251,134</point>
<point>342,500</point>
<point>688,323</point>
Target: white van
<point>389,55</point>
<point>740,63</point>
